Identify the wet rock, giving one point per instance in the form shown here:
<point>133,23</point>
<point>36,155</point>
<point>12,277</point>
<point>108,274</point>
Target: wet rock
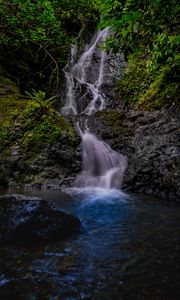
<point>48,169</point>
<point>29,220</point>
<point>150,140</point>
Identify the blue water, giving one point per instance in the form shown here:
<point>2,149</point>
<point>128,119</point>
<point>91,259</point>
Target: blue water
<point>128,248</point>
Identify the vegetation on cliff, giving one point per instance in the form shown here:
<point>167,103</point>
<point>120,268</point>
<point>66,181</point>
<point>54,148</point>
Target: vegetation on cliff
<point>36,143</point>
<point>148,34</point>
<point>32,123</point>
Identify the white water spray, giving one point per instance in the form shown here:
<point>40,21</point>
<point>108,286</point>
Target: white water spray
<point>101,166</point>
<point>82,74</point>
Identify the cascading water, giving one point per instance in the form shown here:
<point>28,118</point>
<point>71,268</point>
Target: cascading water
<point>83,81</point>
<point>102,166</point>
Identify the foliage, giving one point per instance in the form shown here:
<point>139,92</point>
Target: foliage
<point>151,90</point>
<point>148,29</point>
<point>38,35</point>
<point>27,20</point>
<point>41,21</point>
<point>77,12</point>
<point>137,24</point>
<point>163,91</point>
<point>164,51</point>
<point>5,132</point>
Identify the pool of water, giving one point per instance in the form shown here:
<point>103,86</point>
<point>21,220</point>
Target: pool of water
<point>128,248</point>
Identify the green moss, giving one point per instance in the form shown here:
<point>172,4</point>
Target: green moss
<point>135,80</point>
<point>7,86</point>
<point>43,133</point>
<point>111,118</point>
<point>33,123</point>
<point>141,89</point>
<point>10,98</point>
<point>41,124</point>
<point>11,103</point>
<point>4,132</point>
<point>163,92</point>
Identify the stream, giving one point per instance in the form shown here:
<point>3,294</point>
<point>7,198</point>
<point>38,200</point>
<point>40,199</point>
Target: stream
<point>128,248</point>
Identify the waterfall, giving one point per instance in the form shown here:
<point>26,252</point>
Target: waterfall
<point>101,166</point>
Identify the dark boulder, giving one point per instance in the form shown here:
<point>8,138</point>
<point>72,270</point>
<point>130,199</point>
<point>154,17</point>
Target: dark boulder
<point>30,220</point>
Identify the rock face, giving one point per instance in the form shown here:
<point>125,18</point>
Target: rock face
<point>54,166</point>
<point>49,165</point>
<point>27,220</point>
<point>150,140</point>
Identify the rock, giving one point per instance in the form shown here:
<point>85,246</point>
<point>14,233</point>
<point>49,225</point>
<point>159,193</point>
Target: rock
<point>45,163</point>
<point>29,220</point>
<point>48,169</point>
<point>150,140</point>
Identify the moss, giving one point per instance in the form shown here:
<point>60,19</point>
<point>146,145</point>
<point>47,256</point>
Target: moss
<point>9,105</point>
<point>33,123</point>
<point>42,125</point>
<point>35,126</point>
<point>7,85</point>
<point>11,102</point>
<point>40,133</point>
<point>141,89</point>
<point>135,80</point>
<point>163,92</point>
<point>111,118</point>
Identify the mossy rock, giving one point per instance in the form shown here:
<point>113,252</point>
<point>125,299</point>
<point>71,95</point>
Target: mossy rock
<point>144,90</point>
<point>10,98</point>
<point>7,85</point>
<point>29,131</point>
<point>33,123</point>
<point>111,118</point>
<point>163,92</point>
<point>135,80</point>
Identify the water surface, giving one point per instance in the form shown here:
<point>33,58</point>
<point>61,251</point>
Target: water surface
<point>128,248</point>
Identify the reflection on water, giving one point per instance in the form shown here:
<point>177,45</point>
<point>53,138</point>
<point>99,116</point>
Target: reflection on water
<point>128,248</point>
